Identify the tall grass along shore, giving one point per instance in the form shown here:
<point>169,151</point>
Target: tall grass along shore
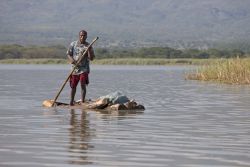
<point>230,71</point>
<point>115,61</point>
<point>33,61</point>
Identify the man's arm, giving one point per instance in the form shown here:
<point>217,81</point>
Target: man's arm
<point>71,59</point>
<point>70,54</point>
<point>91,54</point>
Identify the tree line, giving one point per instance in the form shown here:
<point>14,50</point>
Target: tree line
<point>59,51</point>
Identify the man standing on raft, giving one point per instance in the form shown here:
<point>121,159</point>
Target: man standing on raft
<point>81,72</point>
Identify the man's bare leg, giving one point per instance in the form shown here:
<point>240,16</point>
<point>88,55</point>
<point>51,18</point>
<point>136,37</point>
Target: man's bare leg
<point>72,96</point>
<point>83,86</point>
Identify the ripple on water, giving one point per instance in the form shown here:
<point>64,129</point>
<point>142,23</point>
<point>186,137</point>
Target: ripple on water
<point>185,123</point>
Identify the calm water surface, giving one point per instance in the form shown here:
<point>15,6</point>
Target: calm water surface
<point>186,123</point>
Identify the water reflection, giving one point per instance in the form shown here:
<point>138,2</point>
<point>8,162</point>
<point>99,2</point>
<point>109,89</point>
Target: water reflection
<point>79,137</point>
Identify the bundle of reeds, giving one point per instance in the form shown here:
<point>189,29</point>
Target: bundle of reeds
<point>231,71</point>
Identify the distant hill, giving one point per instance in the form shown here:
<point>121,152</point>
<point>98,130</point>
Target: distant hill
<point>132,23</point>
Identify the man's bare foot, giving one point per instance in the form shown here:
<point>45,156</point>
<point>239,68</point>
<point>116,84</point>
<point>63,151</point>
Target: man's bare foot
<point>71,103</point>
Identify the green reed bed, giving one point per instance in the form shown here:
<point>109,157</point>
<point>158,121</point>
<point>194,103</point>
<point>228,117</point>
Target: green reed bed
<point>150,61</point>
<point>115,61</point>
<point>132,61</point>
<point>110,61</point>
<point>33,61</point>
<point>230,71</point>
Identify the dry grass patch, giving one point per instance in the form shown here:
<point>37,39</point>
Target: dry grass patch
<point>231,71</point>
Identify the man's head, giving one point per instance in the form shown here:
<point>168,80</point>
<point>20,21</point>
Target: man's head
<point>82,36</point>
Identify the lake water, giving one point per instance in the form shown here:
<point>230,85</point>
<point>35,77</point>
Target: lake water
<point>185,124</point>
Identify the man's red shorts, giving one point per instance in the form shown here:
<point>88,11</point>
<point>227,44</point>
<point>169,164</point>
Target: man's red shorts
<point>74,79</point>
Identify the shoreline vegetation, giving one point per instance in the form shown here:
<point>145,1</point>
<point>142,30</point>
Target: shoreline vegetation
<point>230,71</point>
<point>220,65</point>
<point>118,61</point>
